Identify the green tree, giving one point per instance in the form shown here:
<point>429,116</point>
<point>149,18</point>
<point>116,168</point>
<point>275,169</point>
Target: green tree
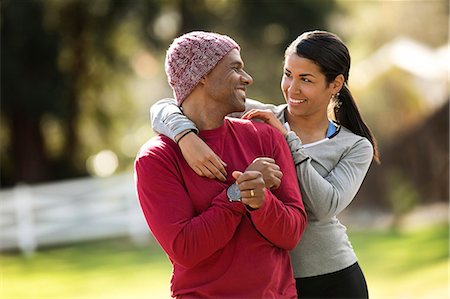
<point>66,65</point>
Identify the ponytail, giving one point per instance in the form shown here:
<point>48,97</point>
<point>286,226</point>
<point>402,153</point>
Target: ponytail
<point>332,56</point>
<point>347,114</point>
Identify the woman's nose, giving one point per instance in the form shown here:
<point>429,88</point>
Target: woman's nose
<point>294,87</point>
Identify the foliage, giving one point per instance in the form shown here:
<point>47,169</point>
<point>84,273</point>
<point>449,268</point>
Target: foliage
<point>73,71</point>
<point>397,264</point>
<point>79,76</point>
<point>368,25</point>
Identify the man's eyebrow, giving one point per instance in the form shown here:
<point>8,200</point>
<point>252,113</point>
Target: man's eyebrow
<point>237,63</point>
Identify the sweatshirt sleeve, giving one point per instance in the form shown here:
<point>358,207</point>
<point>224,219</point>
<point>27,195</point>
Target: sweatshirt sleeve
<point>327,196</point>
<point>167,118</point>
<point>186,236</point>
<point>282,217</point>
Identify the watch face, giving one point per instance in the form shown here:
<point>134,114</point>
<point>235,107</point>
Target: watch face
<point>233,193</point>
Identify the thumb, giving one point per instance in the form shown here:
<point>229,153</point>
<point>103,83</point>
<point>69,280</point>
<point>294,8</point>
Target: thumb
<point>236,174</point>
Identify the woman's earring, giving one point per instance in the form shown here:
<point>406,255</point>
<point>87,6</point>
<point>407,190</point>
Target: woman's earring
<point>337,103</point>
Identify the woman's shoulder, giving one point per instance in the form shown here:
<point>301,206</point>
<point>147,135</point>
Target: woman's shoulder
<point>346,134</point>
<point>350,140</point>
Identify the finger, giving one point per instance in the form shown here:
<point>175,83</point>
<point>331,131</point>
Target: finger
<point>215,171</point>
<point>253,114</point>
<point>211,171</point>
<point>221,161</point>
<point>249,183</point>
<point>266,159</point>
<point>218,169</point>
<point>275,183</point>
<point>206,172</point>
<point>248,114</point>
<point>274,168</point>
<point>261,114</point>
<point>251,193</point>
<point>248,176</point>
<point>236,174</point>
<point>198,171</point>
<point>277,174</point>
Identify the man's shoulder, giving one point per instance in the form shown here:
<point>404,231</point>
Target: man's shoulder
<point>157,146</point>
<point>258,132</point>
<point>253,125</point>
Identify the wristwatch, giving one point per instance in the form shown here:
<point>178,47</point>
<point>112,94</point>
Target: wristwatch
<point>233,193</point>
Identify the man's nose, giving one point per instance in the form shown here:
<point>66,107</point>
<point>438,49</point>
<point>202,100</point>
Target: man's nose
<point>246,78</point>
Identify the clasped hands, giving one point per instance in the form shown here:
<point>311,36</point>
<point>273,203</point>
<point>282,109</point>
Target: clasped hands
<point>262,173</point>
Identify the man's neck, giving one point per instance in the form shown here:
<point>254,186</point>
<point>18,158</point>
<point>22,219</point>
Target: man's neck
<point>205,114</point>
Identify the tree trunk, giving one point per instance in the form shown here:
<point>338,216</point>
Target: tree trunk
<point>28,149</point>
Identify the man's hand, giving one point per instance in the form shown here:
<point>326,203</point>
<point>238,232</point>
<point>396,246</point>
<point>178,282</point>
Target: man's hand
<point>269,169</point>
<point>252,186</point>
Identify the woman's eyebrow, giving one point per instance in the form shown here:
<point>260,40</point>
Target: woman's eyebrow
<point>300,75</point>
<point>306,75</point>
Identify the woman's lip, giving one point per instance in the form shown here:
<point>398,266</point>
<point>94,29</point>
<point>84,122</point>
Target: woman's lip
<point>297,101</point>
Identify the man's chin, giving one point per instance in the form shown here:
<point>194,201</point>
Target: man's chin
<point>242,107</point>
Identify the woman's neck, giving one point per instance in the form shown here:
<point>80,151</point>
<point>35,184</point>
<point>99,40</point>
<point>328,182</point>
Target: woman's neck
<point>308,128</point>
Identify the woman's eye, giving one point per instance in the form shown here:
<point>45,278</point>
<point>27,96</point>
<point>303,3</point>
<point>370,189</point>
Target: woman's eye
<point>287,74</point>
<point>306,80</point>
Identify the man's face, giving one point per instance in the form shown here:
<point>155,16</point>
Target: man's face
<point>227,82</point>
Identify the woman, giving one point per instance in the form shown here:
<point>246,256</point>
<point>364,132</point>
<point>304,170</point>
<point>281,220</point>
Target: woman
<point>331,157</point>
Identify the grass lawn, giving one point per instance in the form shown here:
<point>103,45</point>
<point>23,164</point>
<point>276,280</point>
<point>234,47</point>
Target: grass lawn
<point>411,264</point>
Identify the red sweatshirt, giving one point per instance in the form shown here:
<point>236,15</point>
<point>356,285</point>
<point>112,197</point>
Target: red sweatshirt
<point>218,248</point>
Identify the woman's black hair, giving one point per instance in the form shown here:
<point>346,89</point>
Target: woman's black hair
<point>328,51</point>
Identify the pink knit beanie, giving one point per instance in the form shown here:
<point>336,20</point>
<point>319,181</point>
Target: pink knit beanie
<point>192,56</point>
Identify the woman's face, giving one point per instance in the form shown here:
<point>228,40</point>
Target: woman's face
<point>305,88</point>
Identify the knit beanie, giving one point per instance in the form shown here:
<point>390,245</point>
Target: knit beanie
<point>192,56</point>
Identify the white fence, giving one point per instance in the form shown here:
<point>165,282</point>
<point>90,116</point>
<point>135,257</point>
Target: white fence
<point>70,211</point>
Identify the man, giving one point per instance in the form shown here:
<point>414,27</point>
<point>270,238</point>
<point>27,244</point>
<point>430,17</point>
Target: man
<point>225,239</point>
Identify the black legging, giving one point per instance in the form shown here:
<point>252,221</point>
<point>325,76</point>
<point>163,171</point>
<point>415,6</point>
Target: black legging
<point>345,283</point>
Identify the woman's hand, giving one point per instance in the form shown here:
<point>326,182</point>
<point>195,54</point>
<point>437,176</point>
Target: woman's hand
<point>201,158</point>
<point>269,169</point>
<point>266,116</point>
